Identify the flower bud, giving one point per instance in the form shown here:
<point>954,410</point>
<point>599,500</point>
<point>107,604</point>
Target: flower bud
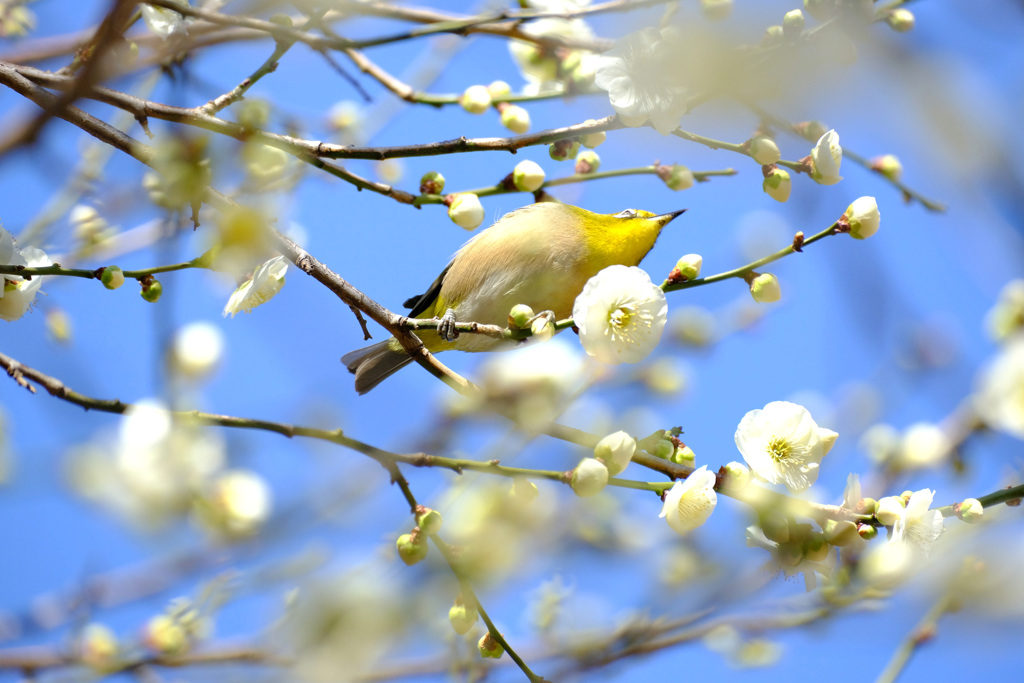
<point>866,531</point>
<point>765,288</point>
<point>523,491</point>
<point>462,618</point>
<point>866,506</point>
<point>889,510</point>
<point>489,647</point>
<point>840,532</point>
<point>412,548</point>
<point>689,266</point>
<point>151,290</point>
<point>679,177</point>
<point>476,99</point>
<point>777,184</point>
<point>432,182</point>
<point>593,140</point>
<point>900,20</point>
<point>863,217</point>
<point>889,166</point>
<point>826,159</point>
<point>520,316</point>
<point>811,130</point>
<point>589,478</point>
<point>165,635</point>
<point>793,25</point>
<point>515,118</point>
<point>735,476</point>
<point>466,211</point>
<point>587,161</point>
<point>820,9</point>
<point>563,149</point>
<point>664,449</point>
<point>615,451</point>
<point>684,456</point>
<point>112,277</point>
<point>764,150</point>
<point>970,510</point>
<point>542,329</point>
<point>716,10</point>
<point>772,36</point>
<point>499,89</point>
<point>97,647</point>
<point>429,521</point>
<point>528,176</point>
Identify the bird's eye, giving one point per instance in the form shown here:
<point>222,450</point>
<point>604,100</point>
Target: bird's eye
<point>628,213</point>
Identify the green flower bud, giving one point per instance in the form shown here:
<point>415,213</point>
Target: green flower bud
<point>499,89</point>
<point>900,20</point>
<point>563,149</point>
<point>432,182</point>
<point>476,99</point>
<point>765,288</point>
<point>528,176</point>
<point>684,456</point>
<point>764,150</point>
<point>793,25</point>
<point>679,177</point>
<point>462,618</point>
<point>587,161</point>
<point>412,548</point>
<point>151,290</point>
<point>840,532</point>
<point>777,184</point>
<point>689,266</point>
<point>970,510</point>
<point>112,277</point>
<point>866,531</point>
<point>593,140</point>
<point>515,118</point>
<point>820,9</point>
<point>716,10</point>
<point>489,647</point>
<point>520,316</point>
<point>428,520</point>
<point>866,506</point>
<point>889,510</point>
<point>664,449</point>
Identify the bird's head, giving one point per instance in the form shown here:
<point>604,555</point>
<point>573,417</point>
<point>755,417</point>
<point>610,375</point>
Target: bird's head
<point>624,237</point>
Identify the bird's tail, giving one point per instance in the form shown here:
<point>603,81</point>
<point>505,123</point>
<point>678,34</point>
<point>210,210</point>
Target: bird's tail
<point>374,364</point>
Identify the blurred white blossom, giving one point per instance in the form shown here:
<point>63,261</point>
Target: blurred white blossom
<point>1000,397</point>
<point>641,77</point>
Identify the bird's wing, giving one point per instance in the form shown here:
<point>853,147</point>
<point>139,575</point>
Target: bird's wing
<point>423,302</point>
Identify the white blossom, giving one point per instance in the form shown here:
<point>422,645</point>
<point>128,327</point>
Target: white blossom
<point>640,75</point>
<point>466,211</point>
<point>827,156</point>
<point>918,527</point>
<point>260,288</point>
<point>241,501</point>
<point>589,478</point>
<point>162,21</point>
<point>620,315</point>
<point>17,293</point>
<point>1000,397</point>
<point>783,444</point>
<point>690,502</point>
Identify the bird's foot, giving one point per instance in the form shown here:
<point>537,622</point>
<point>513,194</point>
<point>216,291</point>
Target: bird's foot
<point>446,328</point>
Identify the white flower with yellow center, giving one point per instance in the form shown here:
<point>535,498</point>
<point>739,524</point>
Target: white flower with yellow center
<point>259,289</point>
<point>918,527</point>
<point>620,315</point>
<point>783,444</point>
<point>690,502</point>
<point>1000,398</point>
<point>17,293</point>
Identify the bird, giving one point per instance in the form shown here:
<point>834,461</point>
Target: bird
<point>540,255</point>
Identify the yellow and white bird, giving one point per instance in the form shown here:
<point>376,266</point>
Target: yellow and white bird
<point>540,255</point>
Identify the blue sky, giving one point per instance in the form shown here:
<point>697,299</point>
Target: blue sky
<point>854,319</point>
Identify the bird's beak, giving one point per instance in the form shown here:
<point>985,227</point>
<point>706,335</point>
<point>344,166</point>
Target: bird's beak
<point>667,218</point>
